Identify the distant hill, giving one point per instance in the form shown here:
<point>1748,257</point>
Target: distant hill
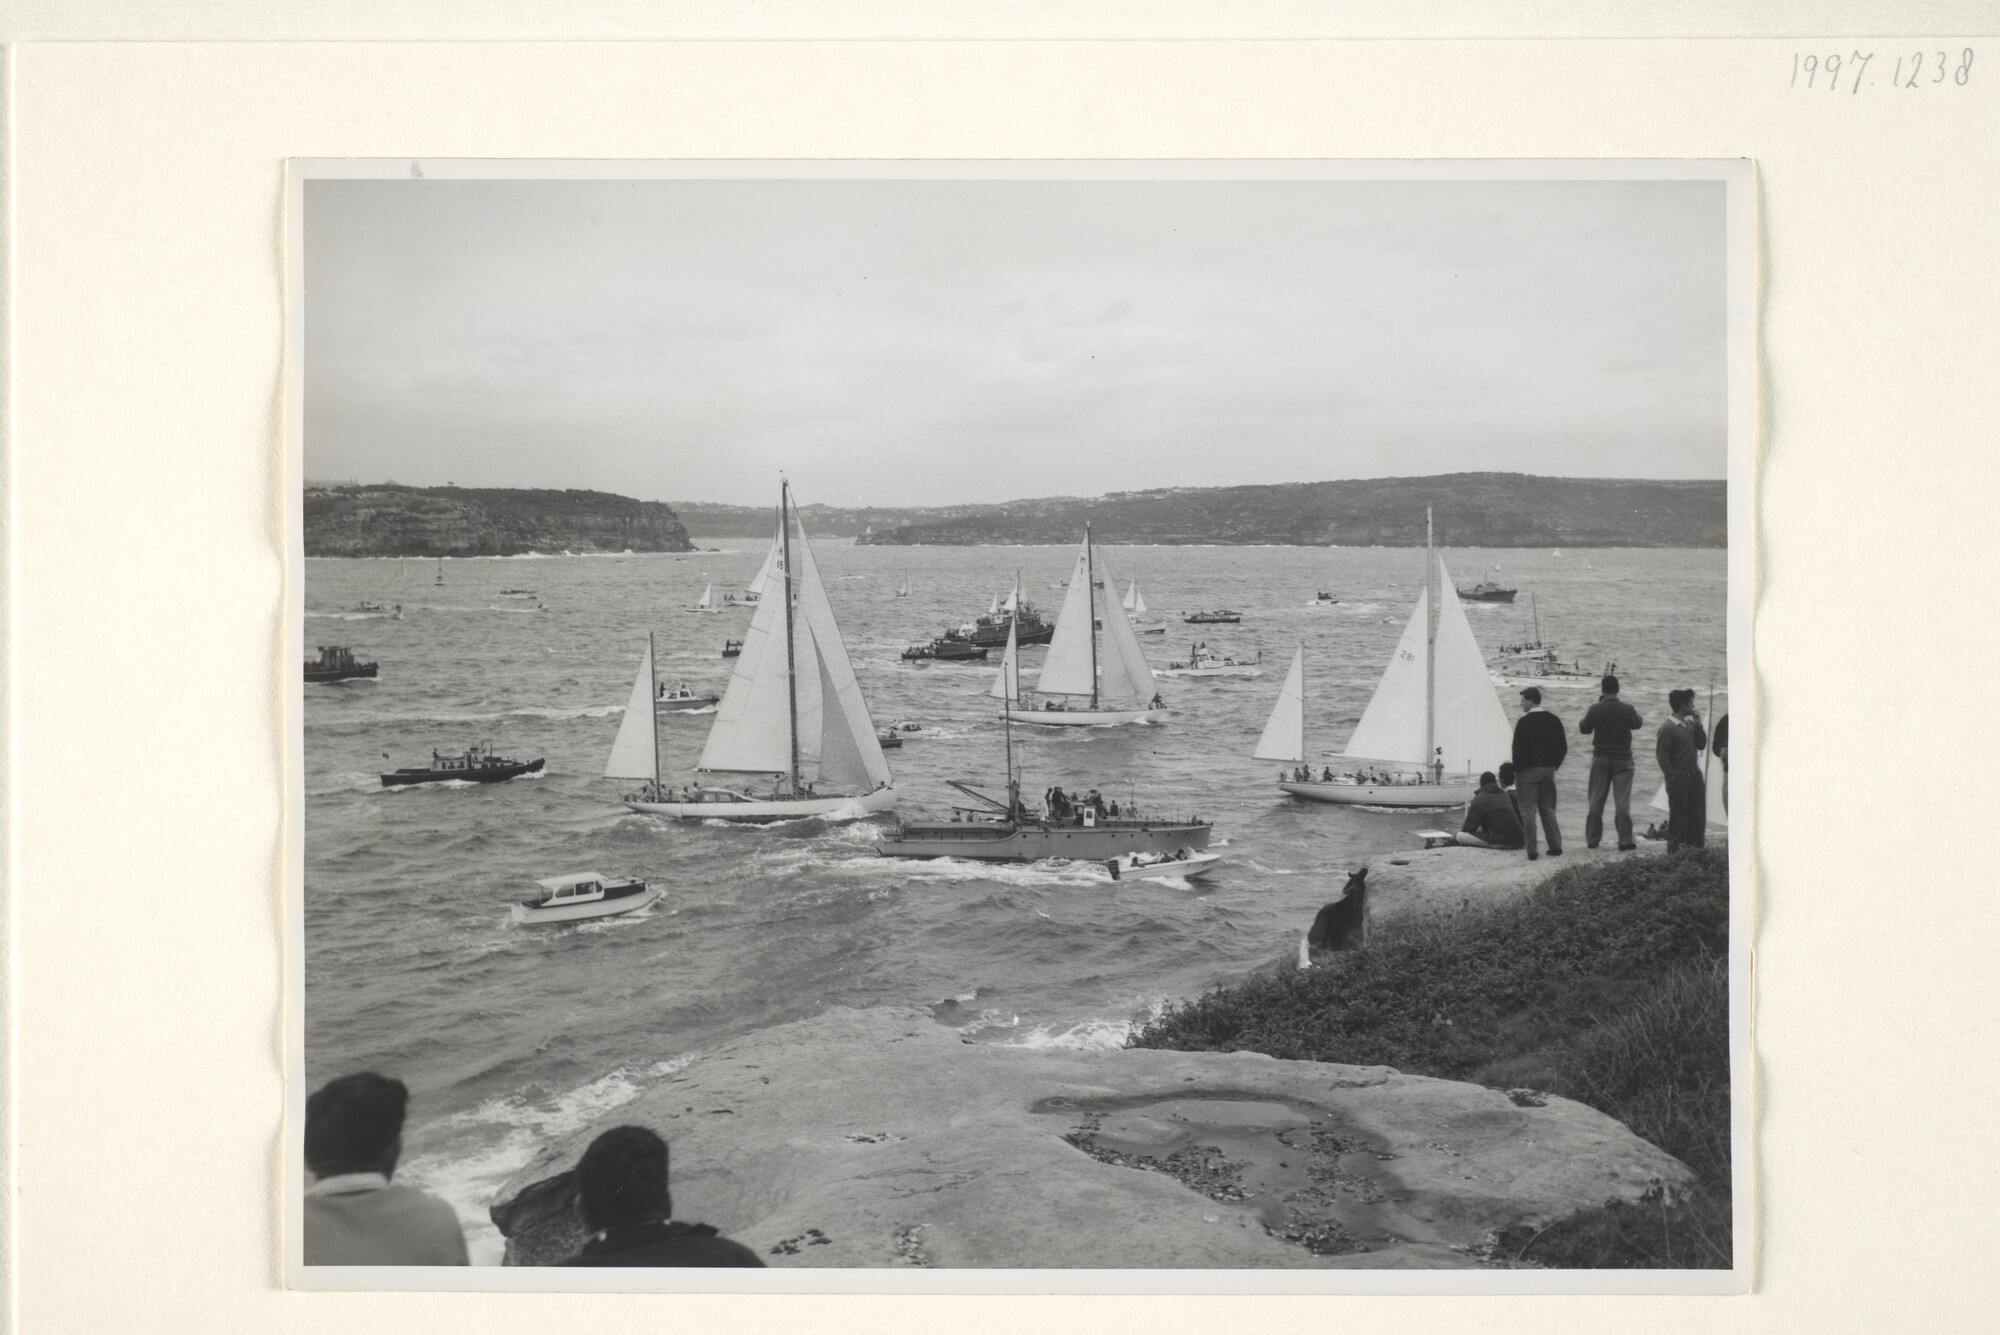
<point>1471,510</point>
<point>388,520</point>
<point>822,521</point>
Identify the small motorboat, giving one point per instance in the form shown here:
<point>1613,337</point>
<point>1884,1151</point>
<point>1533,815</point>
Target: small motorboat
<point>681,698</point>
<point>888,739</point>
<point>732,648</point>
<point>1222,616</point>
<point>336,663</point>
<point>1323,599</point>
<point>584,894</point>
<point>477,765</point>
<point>1487,592</point>
<point>1184,863</point>
<point>1201,663</point>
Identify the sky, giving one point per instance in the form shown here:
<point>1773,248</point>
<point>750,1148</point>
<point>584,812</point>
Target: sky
<point>898,342</point>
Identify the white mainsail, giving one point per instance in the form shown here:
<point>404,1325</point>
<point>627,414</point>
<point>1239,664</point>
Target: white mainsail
<point>1465,717</point>
<point>1069,668</point>
<point>760,584</point>
<point>1392,727</point>
<point>753,731</point>
<point>1285,732</point>
<point>634,752</point>
<point>1013,600</point>
<point>1468,722</point>
<point>707,597</point>
<point>993,608</point>
<point>1134,600</point>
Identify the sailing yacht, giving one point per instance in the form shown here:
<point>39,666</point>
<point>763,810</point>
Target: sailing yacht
<point>1135,603</point>
<point>707,601</point>
<point>793,713</point>
<point>1085,683</point>
<point>903,589</point>
<point>1432,725</point>
<point>998,830</point>
<point>753,593</point>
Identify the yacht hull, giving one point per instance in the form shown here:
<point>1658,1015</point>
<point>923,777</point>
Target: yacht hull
<point>1084,718</point>
<point>1411,795</point>
<point>831,808</point>
<point>1003,841</point>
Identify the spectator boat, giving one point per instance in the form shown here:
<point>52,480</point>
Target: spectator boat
<point>1201,663</point>
<point>477,765</point>
<point>336,663</point>
<point>793,715</point>
<point>998,829</point>
<point>1182,863</point>
<point>1487,592</point>
<point>1222,616</point>
<point>1432,725</point>
<point>682,698</point>
<point>584,894</point>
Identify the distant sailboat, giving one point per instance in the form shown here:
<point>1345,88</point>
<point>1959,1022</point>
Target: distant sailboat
<point>793,712</point>
<point>706,603</point>
<point>1135,603</point>
<point>903,589</point>
<point>1433,724</point>
<point>761,581</point>
<point>1082,686</point>
<point>440,578</point>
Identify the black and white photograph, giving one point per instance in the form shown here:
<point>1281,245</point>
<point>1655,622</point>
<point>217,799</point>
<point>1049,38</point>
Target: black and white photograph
<point>967,725</point>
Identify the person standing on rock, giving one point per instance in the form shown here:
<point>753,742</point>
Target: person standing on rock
<point>1610,722</point>
<point>1678,748</point>
<point>621,1194</point>
<point>1540,743</point>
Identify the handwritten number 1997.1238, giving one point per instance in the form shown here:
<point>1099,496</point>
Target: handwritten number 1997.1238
<point>1925,67</point>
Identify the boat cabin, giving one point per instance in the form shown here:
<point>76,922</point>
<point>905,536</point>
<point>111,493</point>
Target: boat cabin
<point>579,887</point>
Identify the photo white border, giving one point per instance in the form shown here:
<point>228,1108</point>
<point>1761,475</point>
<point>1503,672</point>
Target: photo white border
<point>1739,179</point>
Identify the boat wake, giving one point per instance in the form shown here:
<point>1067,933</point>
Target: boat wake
<point>505,1134</point>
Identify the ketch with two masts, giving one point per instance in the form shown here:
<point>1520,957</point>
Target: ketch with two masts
<point>1433,724</point>
<point>793,713</point>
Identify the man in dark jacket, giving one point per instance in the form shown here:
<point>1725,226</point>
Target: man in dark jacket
<point>621,1192</point>
<point>1540,743</point>
<point>1610,721</point>
<point>1490,819</point>
<point>1679,747</point>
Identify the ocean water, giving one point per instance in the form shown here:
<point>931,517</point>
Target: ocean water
<point>508,1035</point>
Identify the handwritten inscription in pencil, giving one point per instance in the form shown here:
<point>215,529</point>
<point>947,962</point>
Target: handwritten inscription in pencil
<point>1834,73</point>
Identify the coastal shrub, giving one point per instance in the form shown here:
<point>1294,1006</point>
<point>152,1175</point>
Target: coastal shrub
<point>1605,984</point>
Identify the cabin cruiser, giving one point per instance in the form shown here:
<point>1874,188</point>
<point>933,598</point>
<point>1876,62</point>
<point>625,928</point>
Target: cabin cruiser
<point>584,894</point>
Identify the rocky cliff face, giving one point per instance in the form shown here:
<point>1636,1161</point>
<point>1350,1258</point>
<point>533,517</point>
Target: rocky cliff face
<point>879,1138</point>
<point>463,521</point>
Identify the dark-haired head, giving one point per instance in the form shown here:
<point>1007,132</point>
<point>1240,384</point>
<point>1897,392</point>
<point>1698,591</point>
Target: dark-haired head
<point>1532,694</point>
<point>1487,780</point>
<point>355,1125</point>
<point>1609,684</point>
<point>1506,772</point>
<point>622,1179</point>
<point>1679,700</point>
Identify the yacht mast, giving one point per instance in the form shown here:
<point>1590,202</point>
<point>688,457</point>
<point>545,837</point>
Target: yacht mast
<point>653,662</point>
<point>1009,688</point>
<point>791,660</point>
<point>1090,586</point>
<point>1431,596</point>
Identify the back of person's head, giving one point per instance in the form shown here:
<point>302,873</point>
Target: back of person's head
<point>355,1124</point>
<point>1506,772</point>
<point>1679,700</point>
<point>1487,780</point>
<point>622,1179</point>
<point>1610,684</point>
<point>1532,694</point>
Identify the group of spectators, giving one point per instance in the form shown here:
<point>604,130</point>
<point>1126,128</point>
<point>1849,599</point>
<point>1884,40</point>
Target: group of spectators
<point>1511,804</point>
<point>356,1215</point>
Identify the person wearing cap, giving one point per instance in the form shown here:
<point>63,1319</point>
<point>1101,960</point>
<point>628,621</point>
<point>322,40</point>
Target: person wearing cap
<point>353,1215</point>
<point>1610,723</point>
<point>621,1195</point>
<point>1540,744</point>
<point>1678,747</point>
<point>1490,818</point>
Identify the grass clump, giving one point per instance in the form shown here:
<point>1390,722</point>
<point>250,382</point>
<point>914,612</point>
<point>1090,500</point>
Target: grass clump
<point>1605,984</point>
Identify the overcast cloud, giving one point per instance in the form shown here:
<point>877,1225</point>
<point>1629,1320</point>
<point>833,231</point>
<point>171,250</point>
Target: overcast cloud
<point>916,343</point>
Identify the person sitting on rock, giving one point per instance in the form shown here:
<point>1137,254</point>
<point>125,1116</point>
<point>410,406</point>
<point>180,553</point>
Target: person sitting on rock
<point>353,1214</point>
<point>621,1194</point>
<point>1490,818</point>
